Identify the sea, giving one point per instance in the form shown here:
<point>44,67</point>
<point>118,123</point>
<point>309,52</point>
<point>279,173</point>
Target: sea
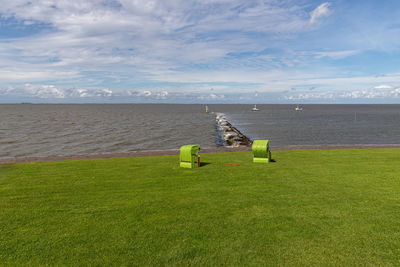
<point>39,130</point>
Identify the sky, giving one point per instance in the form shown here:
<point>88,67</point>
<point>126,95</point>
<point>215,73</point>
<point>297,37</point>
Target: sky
<point>200,51</point>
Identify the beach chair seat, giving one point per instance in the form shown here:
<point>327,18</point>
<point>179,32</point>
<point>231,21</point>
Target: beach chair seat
<point>189,156</point>
<point>261,152</point>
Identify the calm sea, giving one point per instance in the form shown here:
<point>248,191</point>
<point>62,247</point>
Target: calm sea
<point>29,130</point>
<point>318,124</point>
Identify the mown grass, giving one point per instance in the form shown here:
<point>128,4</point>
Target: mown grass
<point>310,207</point>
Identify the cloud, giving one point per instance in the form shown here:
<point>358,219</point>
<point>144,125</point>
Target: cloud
<point>215,96</point>
<point>53,92</point>
<point>24,73</point>
<point>335,54</point>
<point>377,92</point>
<point>137,38</point>
<point>162,49</point>
<point>89,93</point>
<point>163,94</point>
<point>39,91</point>
<point>384,86</point>
<point>321,11</point>
<point>145,93</point>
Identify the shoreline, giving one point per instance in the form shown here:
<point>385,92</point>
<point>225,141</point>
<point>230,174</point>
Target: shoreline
<point>149,153</point>
<point>234,141</point>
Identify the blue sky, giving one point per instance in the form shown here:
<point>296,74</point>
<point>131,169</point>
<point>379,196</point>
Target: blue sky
<point>204,51</point>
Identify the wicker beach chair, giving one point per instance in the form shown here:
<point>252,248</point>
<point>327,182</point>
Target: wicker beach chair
<point>189,156</point>
<point>261,152</point>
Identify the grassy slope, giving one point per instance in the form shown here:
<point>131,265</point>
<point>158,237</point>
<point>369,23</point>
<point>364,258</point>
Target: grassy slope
<point>325,207</point>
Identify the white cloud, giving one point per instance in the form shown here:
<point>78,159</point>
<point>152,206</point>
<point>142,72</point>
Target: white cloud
<point>164,94</point>
<point>321,11</point>
<point>274,80</point>
<point>335,54</point>
<point>210,97</point>
<point>214,96</point>
<point>51,92</point>
<point>144,93</point>
<point>93,43</point>
<point>136,37</point>
<point>377,92</point>
<point>26,73</point>
<point>384,86</point>
<point>40,91</point>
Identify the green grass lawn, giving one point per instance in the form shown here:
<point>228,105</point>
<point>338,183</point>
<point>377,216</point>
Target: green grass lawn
<point>310,207</point>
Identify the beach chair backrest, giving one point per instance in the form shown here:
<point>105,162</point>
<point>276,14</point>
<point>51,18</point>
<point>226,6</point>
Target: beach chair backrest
<point>189,155</point>
<point>261,152</point>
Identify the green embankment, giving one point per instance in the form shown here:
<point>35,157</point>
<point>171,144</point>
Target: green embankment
<point>310,207</point>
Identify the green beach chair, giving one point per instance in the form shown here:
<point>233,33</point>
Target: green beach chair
<point>261,151</point>
<point>189,156</point>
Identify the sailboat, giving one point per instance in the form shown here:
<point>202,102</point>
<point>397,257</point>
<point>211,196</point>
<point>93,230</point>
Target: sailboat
<point>299,108</point>
<point>255,106</point>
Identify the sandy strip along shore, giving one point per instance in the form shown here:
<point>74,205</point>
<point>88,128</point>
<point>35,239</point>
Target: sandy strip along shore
<point>176,152</point>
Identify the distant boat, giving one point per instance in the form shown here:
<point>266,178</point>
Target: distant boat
<point>299,108</point>
<point>255,108</point>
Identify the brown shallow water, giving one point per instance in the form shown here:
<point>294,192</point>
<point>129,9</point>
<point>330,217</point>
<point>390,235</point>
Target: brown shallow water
<point>29,131</point>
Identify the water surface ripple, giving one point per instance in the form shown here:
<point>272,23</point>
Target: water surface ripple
<point>318,124</point>
<point>31,130</point>
<point>36,130</point>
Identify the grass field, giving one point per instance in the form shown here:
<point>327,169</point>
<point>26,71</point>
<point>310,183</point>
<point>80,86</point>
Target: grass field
<point>310,207</point>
